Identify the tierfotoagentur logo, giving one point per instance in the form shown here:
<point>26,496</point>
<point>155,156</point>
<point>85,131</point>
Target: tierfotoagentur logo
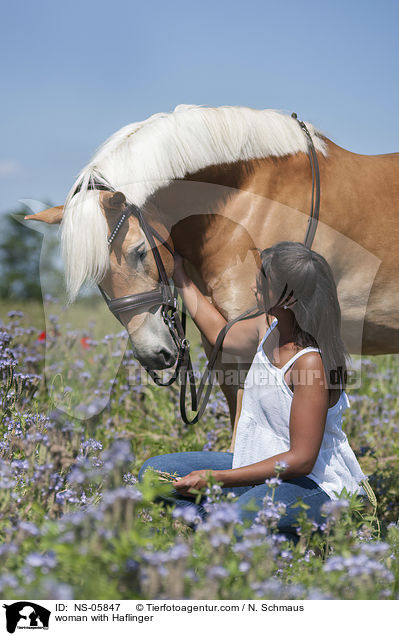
<point>26,615</point>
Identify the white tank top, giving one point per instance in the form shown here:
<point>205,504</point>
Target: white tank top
<point>263,426</point>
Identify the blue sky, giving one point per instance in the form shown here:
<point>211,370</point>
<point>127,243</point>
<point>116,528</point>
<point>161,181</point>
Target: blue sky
<point>74,72</point>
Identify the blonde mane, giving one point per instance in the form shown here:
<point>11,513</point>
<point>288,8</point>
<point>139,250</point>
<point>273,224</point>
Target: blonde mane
<point>141,157</point>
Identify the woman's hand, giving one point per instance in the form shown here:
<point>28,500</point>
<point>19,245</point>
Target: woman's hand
<point>197,479</point>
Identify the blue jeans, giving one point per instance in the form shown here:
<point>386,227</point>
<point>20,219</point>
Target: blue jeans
<point>288,492</point>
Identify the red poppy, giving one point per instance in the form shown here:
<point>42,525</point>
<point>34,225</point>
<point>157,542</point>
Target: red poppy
<point>41,336</point>
<point>85,343</point>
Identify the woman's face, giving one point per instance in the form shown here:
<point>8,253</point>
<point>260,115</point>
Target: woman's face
<point>274,309</point>
<point>257,290</point>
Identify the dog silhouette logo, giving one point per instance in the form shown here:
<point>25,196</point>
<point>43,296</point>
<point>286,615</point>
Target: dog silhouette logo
<point>26,615</point>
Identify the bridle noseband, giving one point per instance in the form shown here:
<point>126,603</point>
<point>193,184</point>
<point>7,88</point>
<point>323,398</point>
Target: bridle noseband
<point>166,297</point>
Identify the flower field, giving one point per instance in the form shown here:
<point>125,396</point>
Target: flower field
<point>76,524</point>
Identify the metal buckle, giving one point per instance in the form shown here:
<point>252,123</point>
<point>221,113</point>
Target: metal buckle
<point>168,319</point>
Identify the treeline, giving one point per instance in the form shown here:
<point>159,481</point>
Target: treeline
<point>20,254</point>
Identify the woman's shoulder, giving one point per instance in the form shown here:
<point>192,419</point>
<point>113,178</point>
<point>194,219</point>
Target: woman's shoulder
<point>311,363</point>
<point>309,357</point>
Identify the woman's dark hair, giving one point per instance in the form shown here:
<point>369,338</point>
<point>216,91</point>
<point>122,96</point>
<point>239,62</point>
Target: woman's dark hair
<point>302,280</point>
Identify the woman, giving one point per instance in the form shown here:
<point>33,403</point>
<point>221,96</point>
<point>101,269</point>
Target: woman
<point>294,393</point>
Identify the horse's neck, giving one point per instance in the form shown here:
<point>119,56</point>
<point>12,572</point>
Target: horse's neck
<point>276,193</point>
<point>220,216</point>
<point>219,209</point>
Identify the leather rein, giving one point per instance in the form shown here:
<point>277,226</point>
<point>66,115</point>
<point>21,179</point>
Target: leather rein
<point>166,296</point>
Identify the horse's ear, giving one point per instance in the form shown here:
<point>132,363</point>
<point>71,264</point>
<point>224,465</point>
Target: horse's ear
<point>51,215</point>
<point>112,200</point>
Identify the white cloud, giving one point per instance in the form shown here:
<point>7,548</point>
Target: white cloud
<point>9,167</point>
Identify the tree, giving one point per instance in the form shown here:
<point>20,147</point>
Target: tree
<point>20,249</point>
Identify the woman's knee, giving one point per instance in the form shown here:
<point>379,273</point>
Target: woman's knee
<point>184,462</point>
<point>153,462</point>
<point>169,463</point>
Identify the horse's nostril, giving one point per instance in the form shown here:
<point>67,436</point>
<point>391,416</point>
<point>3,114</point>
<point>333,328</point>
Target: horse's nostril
<point>168,356</point>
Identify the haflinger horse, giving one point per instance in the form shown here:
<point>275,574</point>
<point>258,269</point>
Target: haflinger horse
<point>220,184</point>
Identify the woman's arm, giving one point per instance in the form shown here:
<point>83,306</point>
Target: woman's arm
<point>307,423</point>
<point>242,337</point>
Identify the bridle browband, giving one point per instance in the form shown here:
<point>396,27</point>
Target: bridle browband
<point>166,297</point>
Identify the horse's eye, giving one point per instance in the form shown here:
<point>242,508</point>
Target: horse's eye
<point>137,254</point>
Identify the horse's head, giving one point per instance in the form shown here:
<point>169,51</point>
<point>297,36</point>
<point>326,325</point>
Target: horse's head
<point>132,270</point>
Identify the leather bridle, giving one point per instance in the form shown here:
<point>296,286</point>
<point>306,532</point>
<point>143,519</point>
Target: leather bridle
<point>166,297</point>
<point>315,204</point>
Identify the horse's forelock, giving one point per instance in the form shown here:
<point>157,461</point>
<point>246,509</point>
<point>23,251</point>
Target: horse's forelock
<point>84,241</point>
